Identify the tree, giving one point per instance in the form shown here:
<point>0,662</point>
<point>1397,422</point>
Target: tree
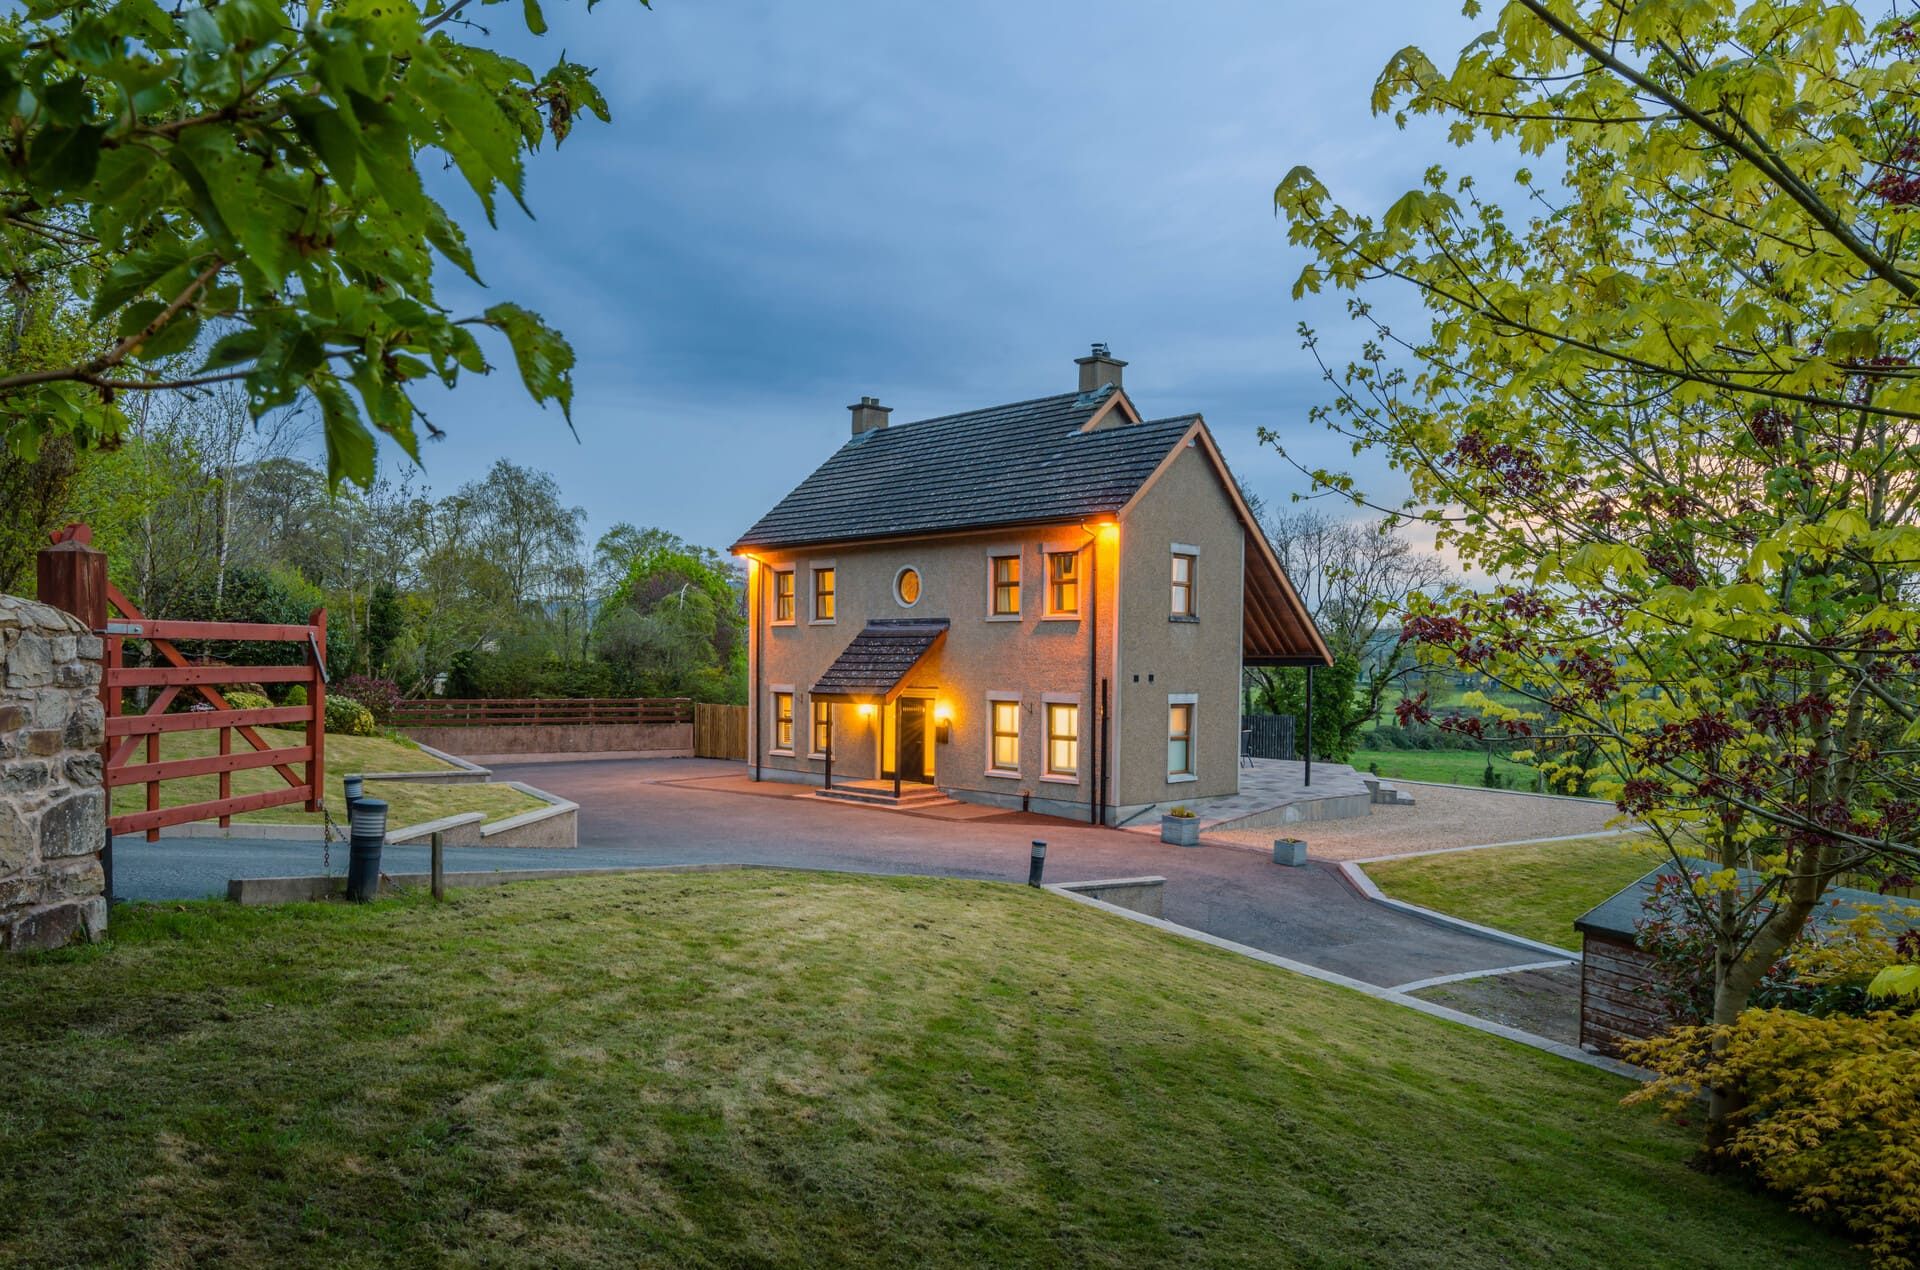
<point>255,169</point>
<point>1674,408</point>
<point>674,626</point>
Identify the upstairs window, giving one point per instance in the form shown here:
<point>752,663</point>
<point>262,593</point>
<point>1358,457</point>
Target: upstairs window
<point>823,595</point>
<point>1063,584</point>
<point>783,596</point>
<point>1183,584</point>
<point>906,587</point>
<point>783,722</point>
<point>1006,586</point>
<point>1063,740</point>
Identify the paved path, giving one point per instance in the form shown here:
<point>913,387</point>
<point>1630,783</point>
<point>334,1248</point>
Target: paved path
<point>679,811</point>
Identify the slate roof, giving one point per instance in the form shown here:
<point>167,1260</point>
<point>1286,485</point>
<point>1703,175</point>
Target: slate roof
<point>880,657</point>
<point>1023,463</point>
<point>1616,915</point>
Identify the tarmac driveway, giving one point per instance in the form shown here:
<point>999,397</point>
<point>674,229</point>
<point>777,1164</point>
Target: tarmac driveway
<point>684,811</point>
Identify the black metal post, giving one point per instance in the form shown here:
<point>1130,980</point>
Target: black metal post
<point>829,783</point>
<point>1036,863</point>
<point>367,836</point>
<point>438,865</point>
<point>1309,750</point>
<point>896,749</point>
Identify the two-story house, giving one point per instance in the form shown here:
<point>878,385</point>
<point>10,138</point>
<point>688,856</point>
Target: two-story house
<point>1043,605</point>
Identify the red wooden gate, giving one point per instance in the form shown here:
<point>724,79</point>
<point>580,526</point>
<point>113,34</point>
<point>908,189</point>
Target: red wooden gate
<point>78,577</point>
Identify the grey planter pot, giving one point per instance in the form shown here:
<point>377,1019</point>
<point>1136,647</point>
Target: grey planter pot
<point>1181,831</point>
<point>1289,851</point>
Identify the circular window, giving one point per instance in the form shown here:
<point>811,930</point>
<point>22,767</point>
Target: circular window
<point>906,587</point>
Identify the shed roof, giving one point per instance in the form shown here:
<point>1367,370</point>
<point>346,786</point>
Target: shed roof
<point>879,657</point>
<point>1615,916</point>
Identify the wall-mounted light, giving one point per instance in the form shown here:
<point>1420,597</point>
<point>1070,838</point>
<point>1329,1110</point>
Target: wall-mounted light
<point>866,710</point>
<point>943,722</point>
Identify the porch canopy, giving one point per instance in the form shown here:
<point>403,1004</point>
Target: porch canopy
<point>880,656</point>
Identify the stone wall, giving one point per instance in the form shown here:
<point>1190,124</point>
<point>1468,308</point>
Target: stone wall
<point>52,800</point>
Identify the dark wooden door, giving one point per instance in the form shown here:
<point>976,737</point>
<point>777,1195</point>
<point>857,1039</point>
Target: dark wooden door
<point>912,741</point>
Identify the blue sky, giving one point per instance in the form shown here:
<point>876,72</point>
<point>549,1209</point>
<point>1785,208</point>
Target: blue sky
<point>941,206</point>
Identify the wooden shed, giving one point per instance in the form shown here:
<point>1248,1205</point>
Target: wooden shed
<point>1617,998</point>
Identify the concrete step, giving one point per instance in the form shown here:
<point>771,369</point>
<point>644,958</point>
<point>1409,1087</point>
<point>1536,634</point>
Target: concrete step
<point>1381,794</point>
<point>910,796</point>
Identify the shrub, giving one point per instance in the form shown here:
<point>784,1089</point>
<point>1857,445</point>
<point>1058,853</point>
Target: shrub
<point>294,696</point>
<point>1830,1109</point>
<point>378,695</point>
<point>349,718</point>
<point>242,699</point>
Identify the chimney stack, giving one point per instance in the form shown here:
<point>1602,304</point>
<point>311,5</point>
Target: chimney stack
<point>869,416</point>
<point>1098,370</point>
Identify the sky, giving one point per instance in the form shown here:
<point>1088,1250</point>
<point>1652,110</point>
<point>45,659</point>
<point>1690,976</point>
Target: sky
<point>937,205</point>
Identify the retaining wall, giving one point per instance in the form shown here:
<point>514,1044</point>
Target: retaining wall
<point>670,740</point>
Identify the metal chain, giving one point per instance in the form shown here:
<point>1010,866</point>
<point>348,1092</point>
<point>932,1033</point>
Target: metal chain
<point>329,831</point>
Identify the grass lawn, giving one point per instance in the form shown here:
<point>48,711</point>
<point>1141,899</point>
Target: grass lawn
<point>1446,767</point>
<point>1535,891</point>
<point>407,803</point>
<point>796,1069</point>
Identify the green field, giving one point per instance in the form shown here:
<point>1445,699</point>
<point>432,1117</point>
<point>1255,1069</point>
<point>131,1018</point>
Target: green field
<point>1446,767</point>
<point>776,1069</point>
<point>408,803</point>
<point>1535,891</point>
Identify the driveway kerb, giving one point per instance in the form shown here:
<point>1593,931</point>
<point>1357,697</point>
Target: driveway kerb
<point>1559,1049</point>
<point>1489,846</point>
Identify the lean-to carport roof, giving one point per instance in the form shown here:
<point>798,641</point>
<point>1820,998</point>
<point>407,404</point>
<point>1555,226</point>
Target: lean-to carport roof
<point>872,666</point>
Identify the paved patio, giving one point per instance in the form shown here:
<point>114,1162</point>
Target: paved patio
<point>1274,792</point>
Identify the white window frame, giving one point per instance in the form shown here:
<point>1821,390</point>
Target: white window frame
<point>814,570</point>
<point>902,572</point>
<point>1193,583</point>
<point>773,595</point>
<point>1046,727</point>
<point>1049,613</point>
<point>994,701</point>
<point>1191,700</point>
<point>1001,553</point>
<point>814,703</point>
<point>774,693</point>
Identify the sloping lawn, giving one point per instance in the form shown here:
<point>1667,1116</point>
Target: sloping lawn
<point>796,1069</point>
<point>1535,891</point>
<point>407,803</point>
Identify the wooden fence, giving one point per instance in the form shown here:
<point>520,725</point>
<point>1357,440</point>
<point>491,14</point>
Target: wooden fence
<point>445,712</point>
<point>1269,736</point>
<point>720,731</point>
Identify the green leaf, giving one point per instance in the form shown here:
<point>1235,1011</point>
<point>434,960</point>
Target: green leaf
<point>64,157</point>
<point>536,21</point>
<point>543,354</point>
<point>235,348</point>
<point>482,141</point>
<point>135,273</point>
<point>350,446</point>
<point>1896,981</point>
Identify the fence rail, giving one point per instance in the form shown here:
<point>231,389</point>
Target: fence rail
<point>445,712</point>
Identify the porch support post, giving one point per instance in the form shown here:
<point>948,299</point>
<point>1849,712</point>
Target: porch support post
<point>829,781</point>
<point>1309,750</point>
<point>896,749</point>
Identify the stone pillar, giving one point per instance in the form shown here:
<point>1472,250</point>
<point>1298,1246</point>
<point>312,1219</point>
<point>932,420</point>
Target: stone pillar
<point>53,804</point>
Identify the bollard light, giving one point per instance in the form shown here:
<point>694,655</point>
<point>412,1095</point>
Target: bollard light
<point>351,786</point>
<point>1036,863</point>
<point>368,833</point>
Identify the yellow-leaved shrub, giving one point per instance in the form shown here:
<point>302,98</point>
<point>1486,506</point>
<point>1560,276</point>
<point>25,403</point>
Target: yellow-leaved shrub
<point>1829,1115</point>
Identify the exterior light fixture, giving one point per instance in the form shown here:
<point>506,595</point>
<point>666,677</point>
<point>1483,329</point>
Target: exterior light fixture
<point>866,710</point>
<point>943,722</point>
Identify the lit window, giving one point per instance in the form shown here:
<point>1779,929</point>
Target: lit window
<point>1063,582</point>
<point>822,727</point>
<point>1180,739</point>
<point>823,595</point>
<point>1006,586</point>
<point>907,587</point>
<point>1182,585</point>
<point>783,595</point>
<point>1063,739</point>
<point>1006,736</point>
<point>783,721</point>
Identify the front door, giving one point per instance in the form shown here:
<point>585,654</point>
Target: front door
<point>911,741</point>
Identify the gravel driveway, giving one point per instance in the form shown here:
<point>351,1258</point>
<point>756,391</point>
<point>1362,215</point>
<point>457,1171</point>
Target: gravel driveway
<point>1444,816</point>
